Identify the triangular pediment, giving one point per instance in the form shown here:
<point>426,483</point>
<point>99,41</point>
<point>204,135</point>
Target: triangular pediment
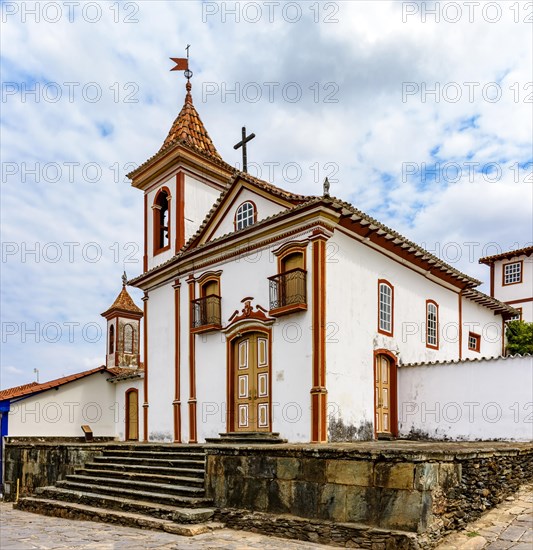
<point>267,199</point>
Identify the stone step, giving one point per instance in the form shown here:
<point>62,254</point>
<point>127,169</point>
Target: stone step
<point>248,438</point>
<point>154,447</point>
<point>187,472</point>
<point>163,511</point>
<point>162,497</point>
<point>145,485</point>
<point>71,510</point>
<point>141,477</point>
<point>155,455</point>
<point>192,464</point>
<point>242,441</point>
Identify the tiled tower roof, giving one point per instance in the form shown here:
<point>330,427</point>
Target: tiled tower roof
<point>125,303</point>
<point>189,127</point>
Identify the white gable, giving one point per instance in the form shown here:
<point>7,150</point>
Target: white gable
<point>225,222</point>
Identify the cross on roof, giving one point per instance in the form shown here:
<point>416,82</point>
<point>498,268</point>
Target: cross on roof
<point>242,143</point>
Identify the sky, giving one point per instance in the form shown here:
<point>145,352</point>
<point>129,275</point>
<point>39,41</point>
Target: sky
<point>419,113</point>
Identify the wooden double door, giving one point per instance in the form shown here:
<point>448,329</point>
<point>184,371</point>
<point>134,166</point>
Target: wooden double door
<point>385,396</point>
<point>252,383</point>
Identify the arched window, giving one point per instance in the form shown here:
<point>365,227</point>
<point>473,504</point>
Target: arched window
<point>111,341</point>
<point>246,215</point>
<point>432,324</point>
<point>385,307</point>
<point>128,338</point>
<point>161,221</point>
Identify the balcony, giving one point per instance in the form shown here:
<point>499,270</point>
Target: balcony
<point>206,314</point>
<point>288,292</point>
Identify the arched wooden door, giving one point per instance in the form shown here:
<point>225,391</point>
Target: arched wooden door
<point>251,385</point>
<point>385,419</point>
<point>132,415</point>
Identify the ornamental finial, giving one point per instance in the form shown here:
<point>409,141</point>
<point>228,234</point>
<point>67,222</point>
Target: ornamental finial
<point>326,187</point>
<point>124,279</point>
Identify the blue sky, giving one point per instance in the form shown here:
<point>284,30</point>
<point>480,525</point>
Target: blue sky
<point>426,125</point>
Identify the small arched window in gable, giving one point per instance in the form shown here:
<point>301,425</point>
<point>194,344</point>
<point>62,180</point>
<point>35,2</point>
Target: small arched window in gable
<point>246,215</point>
<point>161,221</point>
<point>128,338</point>
<point>111,340</point>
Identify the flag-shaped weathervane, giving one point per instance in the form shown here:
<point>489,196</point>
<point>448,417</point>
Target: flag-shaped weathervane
<point>182,64</point>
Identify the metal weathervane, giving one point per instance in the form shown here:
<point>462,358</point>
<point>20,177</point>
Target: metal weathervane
<point>182,64</point>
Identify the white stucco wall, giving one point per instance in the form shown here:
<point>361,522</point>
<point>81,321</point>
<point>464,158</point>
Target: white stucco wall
<point>199,198</point>
<point>61,412</point>
<point>353,270</point>
<point>291,352</point>
<point>161,363</point>
<point>489,399</point>
<point>482,321</point>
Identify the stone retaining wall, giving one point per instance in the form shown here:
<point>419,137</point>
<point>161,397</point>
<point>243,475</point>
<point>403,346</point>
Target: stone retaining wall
<point>38,464</point>
<point>425,489</point>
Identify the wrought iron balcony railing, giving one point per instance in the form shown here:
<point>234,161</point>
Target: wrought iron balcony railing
<point>206,312</point>
<point>288,289</point>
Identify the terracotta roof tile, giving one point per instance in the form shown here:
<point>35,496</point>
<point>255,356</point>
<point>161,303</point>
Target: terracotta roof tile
<point>346,210</point>
<point>34,387</point>
<point>188,127</point>
<point>479,297</point>
<point>507,255</point>
<point>124,302</point>
<point>17,390</point>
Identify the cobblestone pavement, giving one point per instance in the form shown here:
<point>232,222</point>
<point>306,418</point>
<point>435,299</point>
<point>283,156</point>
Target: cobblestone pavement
<point>25,531</point>
<point>509,525</point>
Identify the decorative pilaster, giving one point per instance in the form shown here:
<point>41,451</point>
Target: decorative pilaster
<point>176,404</point>
<point>145,380</point>
<point>319,391</point>
<point>193,430</point>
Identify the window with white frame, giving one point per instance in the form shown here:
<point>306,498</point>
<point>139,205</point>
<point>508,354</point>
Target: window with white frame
<point>385,308</point>
<point>512,273</point>
<point>432,324</point>
<point>245,215</point>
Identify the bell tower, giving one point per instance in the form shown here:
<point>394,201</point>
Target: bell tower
<point>123,331</point>
<point>181,182</point>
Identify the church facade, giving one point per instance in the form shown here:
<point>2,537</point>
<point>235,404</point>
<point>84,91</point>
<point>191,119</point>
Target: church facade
<point>270,312</point>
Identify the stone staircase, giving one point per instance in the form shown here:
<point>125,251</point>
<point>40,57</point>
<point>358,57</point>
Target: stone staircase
<point>142,485</point>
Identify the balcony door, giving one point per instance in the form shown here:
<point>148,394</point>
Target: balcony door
<point>251,383</point>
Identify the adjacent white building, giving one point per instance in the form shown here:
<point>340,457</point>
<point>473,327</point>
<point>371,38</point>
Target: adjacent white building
<point>511,280</point>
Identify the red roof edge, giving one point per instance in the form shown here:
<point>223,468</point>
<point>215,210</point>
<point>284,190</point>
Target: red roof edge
<point>34,387</point>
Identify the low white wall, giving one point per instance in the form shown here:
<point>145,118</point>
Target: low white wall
<point>486,399</point>
<point>61,412</point>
